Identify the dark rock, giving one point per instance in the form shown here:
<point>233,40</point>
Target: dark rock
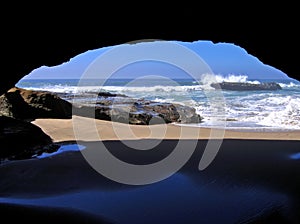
<point>167,111</point>
<point>139,112</point>
<point>28,104</point>
<point>108,94</point>
<point>139,118</point>
<point>187,114</point>
<point>108,101</point>
<point>20,139</point>
<point>240,86</point>
<point>170,112</point>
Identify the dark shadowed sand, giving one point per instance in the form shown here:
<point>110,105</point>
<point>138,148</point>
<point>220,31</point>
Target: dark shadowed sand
<point>249,181</point>
<point>14,213</point>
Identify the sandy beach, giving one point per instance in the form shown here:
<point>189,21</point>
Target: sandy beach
<point>63,130</point>
<point>253,179</point>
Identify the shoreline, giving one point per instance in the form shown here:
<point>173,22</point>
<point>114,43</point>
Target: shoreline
<point>244,129</point>
<point>89,129</point>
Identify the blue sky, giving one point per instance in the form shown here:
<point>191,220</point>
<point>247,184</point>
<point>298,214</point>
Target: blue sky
<point>221,58</point>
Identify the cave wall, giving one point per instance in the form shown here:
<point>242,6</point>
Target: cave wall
<point>38,37</point>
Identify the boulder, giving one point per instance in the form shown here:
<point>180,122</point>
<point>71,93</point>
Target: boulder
<point>21,139</point>
<point>187,114</point>
<point>28,104</point>
<point>139,112</point>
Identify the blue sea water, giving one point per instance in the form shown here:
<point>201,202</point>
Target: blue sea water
<point>244,110</point>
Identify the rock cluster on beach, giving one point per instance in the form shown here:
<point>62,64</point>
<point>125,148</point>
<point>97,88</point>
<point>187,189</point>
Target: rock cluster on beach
<point>128,110</point>
<point>243,86</point>
<point>28,104</point>
<point>22,139</point>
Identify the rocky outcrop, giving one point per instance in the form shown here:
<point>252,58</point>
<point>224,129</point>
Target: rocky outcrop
<point>20,139</point>
<point>28,104</point>
<point>242,86</point>
<point>138,111</point>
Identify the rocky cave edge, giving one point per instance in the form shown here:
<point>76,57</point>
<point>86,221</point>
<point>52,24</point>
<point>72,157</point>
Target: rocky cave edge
<point>61,51</point>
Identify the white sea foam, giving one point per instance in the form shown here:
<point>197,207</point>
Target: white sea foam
<point>256,109</point>
<point>212,78</point>
<point>270,111</point>
<point>231,78</point>
<point>202,84</point>
<point>288,116</point>
<point>119,89</point>
<point>289,85</point>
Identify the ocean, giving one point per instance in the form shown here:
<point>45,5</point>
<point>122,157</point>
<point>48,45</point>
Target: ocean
<point>261,110</point>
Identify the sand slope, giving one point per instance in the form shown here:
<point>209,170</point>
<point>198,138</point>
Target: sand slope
<point>93,130</point>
